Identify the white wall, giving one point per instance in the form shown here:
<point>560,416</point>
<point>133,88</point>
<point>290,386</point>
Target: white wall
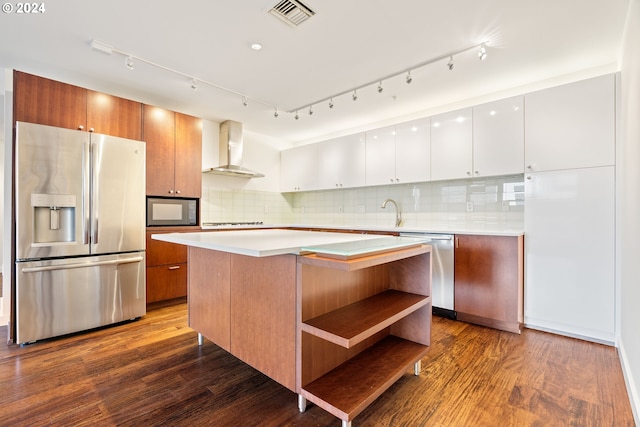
<point>629,208</point>
<point>6,131</point>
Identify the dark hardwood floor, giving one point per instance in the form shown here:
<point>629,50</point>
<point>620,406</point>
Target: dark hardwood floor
<point>151,372</point>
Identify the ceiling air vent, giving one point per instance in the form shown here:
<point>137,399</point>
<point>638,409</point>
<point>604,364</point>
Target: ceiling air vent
<point>292,12</point>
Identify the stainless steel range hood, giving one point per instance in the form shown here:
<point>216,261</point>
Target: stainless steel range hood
<point>231,146</point>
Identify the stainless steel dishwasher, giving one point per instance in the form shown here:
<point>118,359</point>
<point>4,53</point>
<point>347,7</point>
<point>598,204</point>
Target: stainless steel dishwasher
<point>441,271</point>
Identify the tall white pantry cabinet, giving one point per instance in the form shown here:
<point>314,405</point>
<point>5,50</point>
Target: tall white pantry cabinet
<point>570,209</point>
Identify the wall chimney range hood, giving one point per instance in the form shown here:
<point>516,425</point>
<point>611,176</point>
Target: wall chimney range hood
<point>231,145</point>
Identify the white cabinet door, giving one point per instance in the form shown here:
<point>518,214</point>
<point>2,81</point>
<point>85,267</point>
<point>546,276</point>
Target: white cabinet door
<point>451,145</point>
<point>571,126</point>
<point>341,162</point>
<point>569,251</point>
<point>498,137</point>
<point>298,168</point>
<point>413,151</point>
<point>380,164</point>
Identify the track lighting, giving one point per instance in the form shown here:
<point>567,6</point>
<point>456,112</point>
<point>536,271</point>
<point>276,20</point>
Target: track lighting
<point>275,113</point>
<point>297,116</point>
<point>409,79</point>
<point>482,52</point>
<point>450,63</point>
<point>331,103</point>
<point>354,96</point>
<point>129,62</point>
<point>380,88</point>
<point>194,84</point>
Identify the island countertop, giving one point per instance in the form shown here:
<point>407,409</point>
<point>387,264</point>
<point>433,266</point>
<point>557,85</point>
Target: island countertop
<point>261,242</point>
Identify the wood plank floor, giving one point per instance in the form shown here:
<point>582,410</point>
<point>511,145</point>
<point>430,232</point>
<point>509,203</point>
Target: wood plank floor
<point>151,372</point>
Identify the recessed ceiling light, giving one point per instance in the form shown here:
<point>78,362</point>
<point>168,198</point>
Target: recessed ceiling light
<point>256,46</point>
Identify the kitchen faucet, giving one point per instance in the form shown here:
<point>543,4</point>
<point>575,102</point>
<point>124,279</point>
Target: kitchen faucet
<point>398,213</point>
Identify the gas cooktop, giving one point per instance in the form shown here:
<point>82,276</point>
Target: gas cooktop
<point>218,224</point>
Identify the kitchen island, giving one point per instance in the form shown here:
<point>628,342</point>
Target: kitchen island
<point>337,318</point>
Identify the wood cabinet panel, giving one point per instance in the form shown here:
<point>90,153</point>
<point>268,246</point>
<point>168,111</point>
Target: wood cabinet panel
<point>158,131</point>
<point>111,115</point>
<point>209,296</point>
<point>188,156</point>
<point>263,315</point>
<point>48,102</point>
<point>162,253</point>
<point>166,282</point>
<point>489,280</point>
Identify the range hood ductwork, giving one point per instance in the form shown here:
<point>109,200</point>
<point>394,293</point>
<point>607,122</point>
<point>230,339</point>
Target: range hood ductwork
<point>231,145</point>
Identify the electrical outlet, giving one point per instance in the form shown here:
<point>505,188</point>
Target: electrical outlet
<point>469,206</point>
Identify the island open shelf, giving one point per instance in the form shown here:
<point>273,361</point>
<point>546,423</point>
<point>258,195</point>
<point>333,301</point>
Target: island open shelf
<point>356,322</point>
<point>348,389</point>
<point>362,323</point>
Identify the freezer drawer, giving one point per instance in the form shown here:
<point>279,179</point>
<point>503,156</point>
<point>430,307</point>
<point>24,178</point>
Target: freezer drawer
<point>58,297</point>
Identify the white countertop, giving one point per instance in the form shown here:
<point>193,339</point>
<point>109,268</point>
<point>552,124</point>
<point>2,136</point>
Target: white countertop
<point>440,229</point>
<point>259,242</point>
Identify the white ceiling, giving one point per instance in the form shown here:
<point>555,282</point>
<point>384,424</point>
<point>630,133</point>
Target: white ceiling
<point>346,44</point>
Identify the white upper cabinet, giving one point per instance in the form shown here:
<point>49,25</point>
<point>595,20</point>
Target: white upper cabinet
<point>451,145</point>
<point>498,137</point>
<point>413,151</point>
<point>341,162</point>
<point>398,154</point>
<point>571,126</point>
<point>380,165</point>
<point>299,168</point>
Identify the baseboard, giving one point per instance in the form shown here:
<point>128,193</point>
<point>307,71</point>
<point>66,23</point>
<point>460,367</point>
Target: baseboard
<point>564,330</point>
<point>632,390</point>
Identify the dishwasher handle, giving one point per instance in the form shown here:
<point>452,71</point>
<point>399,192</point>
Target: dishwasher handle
<point>444,237</point>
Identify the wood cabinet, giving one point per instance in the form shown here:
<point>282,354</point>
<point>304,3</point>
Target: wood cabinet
<point>341,162</point>
<point>452,145</point>
<point>299,168</point>
<point>362,323</point>
<point>166,270</point>
<point>52,103</point>
<point>489,280</point>
<point>398,153</point>
<point>571,126</point>
<point>498,137</point>
<point>174,153</point>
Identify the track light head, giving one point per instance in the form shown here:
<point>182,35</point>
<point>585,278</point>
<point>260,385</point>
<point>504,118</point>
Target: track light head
<point>380,88</point>
<point>482,52</point>
<point>128,61</point>
<point>450,63</point>
<point>310,110</point>
<point>275,113</point>
<point>297,116</point>
<point>331,103</point>
<point>194,84</point>
<point>354,96</point>
<point>409,79</point>
<point>245,101</point>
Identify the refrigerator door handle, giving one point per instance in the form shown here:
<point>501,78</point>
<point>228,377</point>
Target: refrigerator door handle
<point>95,184</point>
<point>86,187</point>
<point>82,265</point>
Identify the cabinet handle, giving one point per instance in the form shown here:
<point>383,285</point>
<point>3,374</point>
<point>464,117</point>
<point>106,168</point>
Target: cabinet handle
<point>170,191</point>
<point>477,173</point>
<point>529,177</point>
<point>80,127</point>
<point>177,191</point>
<point>174,267</point>
<point>457,243</point>
<point>397,179</point>
<point>468,173</point>
<point>91,129</point>
<point>529,167</point>
<point>391,180</point>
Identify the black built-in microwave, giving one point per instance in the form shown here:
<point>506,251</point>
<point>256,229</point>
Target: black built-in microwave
<point>171,211</point>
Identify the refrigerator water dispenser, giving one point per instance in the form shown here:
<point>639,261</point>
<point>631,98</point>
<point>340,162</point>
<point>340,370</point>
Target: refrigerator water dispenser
<point>54,218</point>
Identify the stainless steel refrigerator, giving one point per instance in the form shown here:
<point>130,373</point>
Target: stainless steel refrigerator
<point>80,231</point>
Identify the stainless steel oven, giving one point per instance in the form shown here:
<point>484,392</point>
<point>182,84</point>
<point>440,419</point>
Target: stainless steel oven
<point>171,211</point>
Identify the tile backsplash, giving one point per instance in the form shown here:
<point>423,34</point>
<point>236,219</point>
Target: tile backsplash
<point>495,202</point>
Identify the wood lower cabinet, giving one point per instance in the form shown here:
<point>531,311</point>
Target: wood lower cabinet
<point>166,270</point>
<point>489,281</point>
<point>48,102</point>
